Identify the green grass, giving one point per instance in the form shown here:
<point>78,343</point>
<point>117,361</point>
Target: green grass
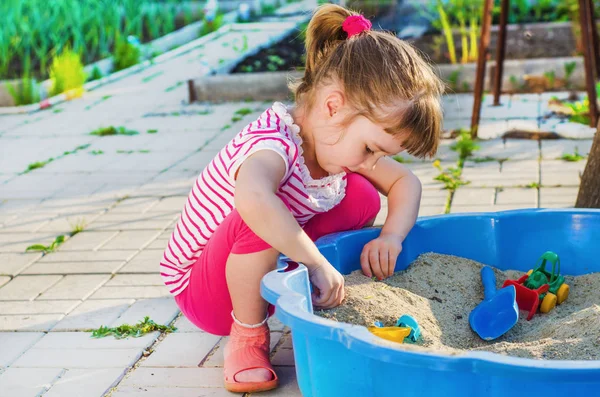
<point>152,76</point>
<point>96,152</point>
<point>574,157</point>
<point>152,131</point>
<point>78,227</point>
<point>107,131</point>
<point>47,248</point>
<point>243,112</point>
<point>533,185</point>
<point>401,159</point>
<point>126,330</point>
<point>38,164</point>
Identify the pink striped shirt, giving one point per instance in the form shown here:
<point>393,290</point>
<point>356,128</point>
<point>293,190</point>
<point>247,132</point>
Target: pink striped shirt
<point>211,198</point>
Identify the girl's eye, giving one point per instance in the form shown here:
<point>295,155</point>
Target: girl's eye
<point>369,150</point>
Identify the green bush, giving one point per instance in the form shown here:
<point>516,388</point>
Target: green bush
<point>66,73</point>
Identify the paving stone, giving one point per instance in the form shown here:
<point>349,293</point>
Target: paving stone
<point>75,358</point>
<point>288,385</point>
<point>561,173</point>
<point>426,173</point>
<point>555,149</point>
<point>27,382</point>
<point>173,391</point>
<point>156,245</point>
<point>431,210</point>
<point>275,324</point>
<point>13,263</point>
<point>512,149</point>
<point>89,382</point>
<point>86,241</point>
<point>29,322</point>
<point>100,267</point>
<point>147,261</point>
<point>27,287</point>
<point>524,197</point>
<point>473,196</point>
<point>92,314</point>
<point>88,256</point>
<point>558,196</point>
<point>130,240</point>
<point>66,224</point>
<point>4,280</point>
<point>137,205</point>
<point>161,310</point>
<point>512,173</point>
<point>524,106</point>
<point>184,325</point>
<point>75,287</point>
<point>76,205</point>
<point>572,130</point>
<point>84,341</point>
<point>168,377</point>
<point>490,129</point>
<point>483,208</point>
<point>18,242</point>
<point>135,280</point>
<point>15,343</point>
<point>173,204</point>
<point>38,306</point>
<point>283,357</point>
<point>182,350</point>
<point>196,162</point>
<point>30,222</point>
<point>131,291</point>
<point>135,222</point>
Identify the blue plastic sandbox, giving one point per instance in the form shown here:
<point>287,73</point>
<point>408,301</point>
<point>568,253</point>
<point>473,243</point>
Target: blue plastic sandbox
<point>337,359</point>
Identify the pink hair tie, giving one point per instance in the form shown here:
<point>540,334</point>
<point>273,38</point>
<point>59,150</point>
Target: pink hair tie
<point>356,24</point>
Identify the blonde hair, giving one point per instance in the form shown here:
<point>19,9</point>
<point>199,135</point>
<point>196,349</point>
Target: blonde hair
<point>377,71</point>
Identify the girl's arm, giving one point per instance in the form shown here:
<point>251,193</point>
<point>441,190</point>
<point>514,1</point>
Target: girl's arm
<point>257,181</point>
<point>403,191</point>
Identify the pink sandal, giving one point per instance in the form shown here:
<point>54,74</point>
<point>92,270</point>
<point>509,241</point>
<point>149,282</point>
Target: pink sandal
<point>248,348</point>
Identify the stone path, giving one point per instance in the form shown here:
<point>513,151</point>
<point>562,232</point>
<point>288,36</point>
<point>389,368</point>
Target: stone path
<point>126,193</point>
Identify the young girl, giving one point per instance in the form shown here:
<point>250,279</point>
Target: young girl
<point>294,175</point>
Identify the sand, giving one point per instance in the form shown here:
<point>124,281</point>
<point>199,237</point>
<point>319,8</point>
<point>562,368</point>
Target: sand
<point>440,291</point>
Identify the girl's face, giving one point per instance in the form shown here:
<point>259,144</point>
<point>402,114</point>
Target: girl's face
<point>357,147</point>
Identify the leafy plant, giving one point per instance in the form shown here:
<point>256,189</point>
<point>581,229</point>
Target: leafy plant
<point>211,26</point>
<point>26,92</point>
<point>96,152</point>
<point>78,227</point>
<point>67,74</point>
<point>569,69</point>
<point>38,164</point>
<point>401,159</point>
<point>152,131</point>
<point>126,330</point>
<point>244,46</point>
<point>450,177</point>
<point>126,54</point>
<point>243,111</point>
<point>464,145</point>
<point>533,185</point>
<point>572,156</point>
<point>46,249</point>
<point>106,131</point>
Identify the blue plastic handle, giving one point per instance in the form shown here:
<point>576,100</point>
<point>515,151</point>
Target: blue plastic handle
<point>489,282</point>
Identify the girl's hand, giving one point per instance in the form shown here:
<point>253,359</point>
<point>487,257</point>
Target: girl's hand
<point>379,256</point>
<point>328,285</point>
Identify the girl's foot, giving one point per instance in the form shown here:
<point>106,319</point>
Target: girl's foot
<point>247,366</point>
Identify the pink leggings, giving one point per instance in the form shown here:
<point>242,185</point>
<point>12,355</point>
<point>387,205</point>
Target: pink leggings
<point>206,301</point>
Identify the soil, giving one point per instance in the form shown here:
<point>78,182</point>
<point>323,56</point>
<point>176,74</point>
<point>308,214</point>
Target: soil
<point>440,291</point>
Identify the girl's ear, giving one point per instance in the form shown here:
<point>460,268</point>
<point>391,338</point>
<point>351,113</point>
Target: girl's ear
<point>334,103</point>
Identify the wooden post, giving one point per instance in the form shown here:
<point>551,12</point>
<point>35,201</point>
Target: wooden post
<point>586,18</point>
<point>589,190</point>
<point>192,91</point>
<point>500,51</point>
<point>484,43</point>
